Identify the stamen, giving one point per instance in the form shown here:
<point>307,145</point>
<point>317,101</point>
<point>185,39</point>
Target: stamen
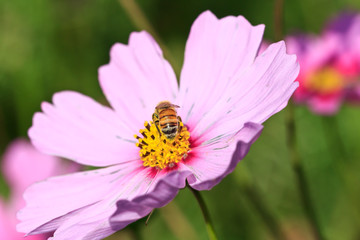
<point>147,125</point>
<point>143,133</point>
<point>159,152</point>
<point>325,81</point>
<point>143,142</point>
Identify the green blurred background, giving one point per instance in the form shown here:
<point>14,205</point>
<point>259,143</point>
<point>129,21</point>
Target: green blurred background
<point>49,46</point>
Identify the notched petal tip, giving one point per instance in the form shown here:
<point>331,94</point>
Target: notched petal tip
<point>134,36</point>
<point>210,16</point>
<point>283,49</point>
<point>206,14</point>
<point>143,38</point>
<point>280,48</point>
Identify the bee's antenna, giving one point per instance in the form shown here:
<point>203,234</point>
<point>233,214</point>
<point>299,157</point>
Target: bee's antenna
<point>148,218</point>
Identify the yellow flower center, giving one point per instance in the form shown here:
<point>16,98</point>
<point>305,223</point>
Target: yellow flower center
<point>158,151</point>
<point>324,81</point>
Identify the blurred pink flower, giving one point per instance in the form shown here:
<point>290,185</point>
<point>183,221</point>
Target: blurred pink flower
<point>330,65</point>
<point>23,165</point>
<point>225,94</point>
<point>263,46</point>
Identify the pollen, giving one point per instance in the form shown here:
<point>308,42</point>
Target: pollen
<point>159,152</point>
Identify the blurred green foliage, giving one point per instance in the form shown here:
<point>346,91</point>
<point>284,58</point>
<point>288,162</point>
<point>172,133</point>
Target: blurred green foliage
<point>50,46</point>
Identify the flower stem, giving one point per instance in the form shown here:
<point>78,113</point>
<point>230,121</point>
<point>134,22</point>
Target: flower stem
<point>264,212</point>
<point>341,160</point>
<point>298,168</point>
<point>247,186</point>
<point>278,19</point>
<point>333,136</point>
<point>205,212</point>
<point>177,222</point>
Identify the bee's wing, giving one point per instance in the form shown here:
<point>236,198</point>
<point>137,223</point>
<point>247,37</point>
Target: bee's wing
<point>166,104</point>
<point>174,106</point>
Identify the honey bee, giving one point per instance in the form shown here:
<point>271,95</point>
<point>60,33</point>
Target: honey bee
<point>166,119</point>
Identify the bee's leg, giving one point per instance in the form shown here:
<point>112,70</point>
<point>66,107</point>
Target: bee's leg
<point>156,125</point>
<point>179,119</point>
<point>179,125</point>
<point>155,118</point>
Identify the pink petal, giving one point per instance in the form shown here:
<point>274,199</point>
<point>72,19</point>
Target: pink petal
<point>346,27</point>
<point>348,64</point>
<point>91,223</point>
<point>101,219</point>
<point>325,105</point>
<point>137,199</point>
<point>78,128</point>
<point>312,52</point>
<point>272,79</point>
<point>164,188</point>
<point>214,160</point>
<point>302,93</point>
<point>57,196</point>
<point>8,225</point>
<point>24,165</point>
<point>353,94</point>
<point>137,78</point>
<point>264,45</point>
<point>95,222</point>
<point>83,205</point>
<point>215,51</point>
<point>258,93</point>
<point>6,222</point>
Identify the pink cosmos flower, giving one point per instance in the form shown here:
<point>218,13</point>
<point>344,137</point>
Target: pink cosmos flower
<point>23,165</point>
<point>225,95</point>
<point>330,65</point>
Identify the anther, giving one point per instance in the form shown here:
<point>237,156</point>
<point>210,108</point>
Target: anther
<point>143,142</point>
<point>143,133</point>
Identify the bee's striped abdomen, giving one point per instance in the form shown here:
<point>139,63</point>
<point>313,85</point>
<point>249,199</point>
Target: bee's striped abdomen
<point>168,122</point>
